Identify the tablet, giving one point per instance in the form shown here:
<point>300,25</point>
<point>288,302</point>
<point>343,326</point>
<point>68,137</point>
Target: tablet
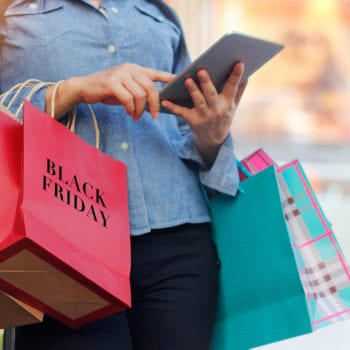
<point>218,60</point>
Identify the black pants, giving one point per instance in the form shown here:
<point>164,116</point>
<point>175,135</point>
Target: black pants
<point>174,287</point>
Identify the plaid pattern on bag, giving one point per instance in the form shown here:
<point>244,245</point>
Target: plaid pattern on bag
<point>323,269</point>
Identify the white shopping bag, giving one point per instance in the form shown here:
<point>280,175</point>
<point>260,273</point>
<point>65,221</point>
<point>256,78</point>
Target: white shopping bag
<point>336,336</point>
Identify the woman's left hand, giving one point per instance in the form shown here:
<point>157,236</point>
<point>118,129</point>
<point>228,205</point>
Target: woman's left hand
<point>211,117</point>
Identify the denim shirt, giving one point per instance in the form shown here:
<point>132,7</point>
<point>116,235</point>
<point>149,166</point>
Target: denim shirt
<point>51,40</point>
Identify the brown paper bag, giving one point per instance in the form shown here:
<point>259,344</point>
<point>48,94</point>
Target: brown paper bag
<point>16,313</point>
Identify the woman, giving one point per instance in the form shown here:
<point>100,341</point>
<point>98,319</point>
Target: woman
<point>114,55</point>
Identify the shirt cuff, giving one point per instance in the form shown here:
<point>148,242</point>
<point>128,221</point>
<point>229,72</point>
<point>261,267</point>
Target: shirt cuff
<point>223,174</point>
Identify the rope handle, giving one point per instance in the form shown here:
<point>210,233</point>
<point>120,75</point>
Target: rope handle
<point>17,89</point>
<point>36,85</point>
<point>7,112</point>
<point>73,116</point>
<point>243,169</point>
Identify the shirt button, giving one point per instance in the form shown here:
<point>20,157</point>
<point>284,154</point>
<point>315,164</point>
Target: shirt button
<point>114,9</point>
<point>124,146</point>
<point>112,48</point>
<point>160,18</point>
<point>33,5</point>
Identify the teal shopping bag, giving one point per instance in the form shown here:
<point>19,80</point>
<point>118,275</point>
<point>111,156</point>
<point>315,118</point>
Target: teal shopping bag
<point>261,298</point>
<point>323,268</point>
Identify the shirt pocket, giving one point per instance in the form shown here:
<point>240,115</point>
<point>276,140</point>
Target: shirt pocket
<point>34,23</point>
<point>162,29</point>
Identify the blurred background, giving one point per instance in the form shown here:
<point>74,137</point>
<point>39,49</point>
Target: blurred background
<point>298,104</point>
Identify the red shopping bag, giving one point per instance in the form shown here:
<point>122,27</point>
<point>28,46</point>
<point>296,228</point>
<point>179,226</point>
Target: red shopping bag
<point>68,253</point>
<point>11,147</point>
<point>12,311</point>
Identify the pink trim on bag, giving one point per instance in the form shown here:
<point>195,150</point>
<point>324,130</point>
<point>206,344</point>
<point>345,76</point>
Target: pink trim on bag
<point>310,194</point>
<point>340,256</point>
<point>328,233</point>
<point>311,241</point>
<point>257,161</point>
<point>294,163</point>
<point>331,316</point>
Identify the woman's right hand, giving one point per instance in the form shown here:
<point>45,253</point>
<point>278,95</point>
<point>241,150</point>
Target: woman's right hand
<point>128,84</point>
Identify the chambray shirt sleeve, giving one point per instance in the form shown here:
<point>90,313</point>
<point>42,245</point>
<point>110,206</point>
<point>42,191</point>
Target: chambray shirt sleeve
<point>223,174</point>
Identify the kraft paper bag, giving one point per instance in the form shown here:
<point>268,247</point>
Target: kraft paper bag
<point>261,298</point>
<point>16,313</point>
<point>68,252</point>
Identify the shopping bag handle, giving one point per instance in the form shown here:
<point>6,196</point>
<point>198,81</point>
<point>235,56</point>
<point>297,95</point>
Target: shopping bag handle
<point>16,90</point>
<point>73,116</point>
<point>35,86</point>
<point>243,169</point>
